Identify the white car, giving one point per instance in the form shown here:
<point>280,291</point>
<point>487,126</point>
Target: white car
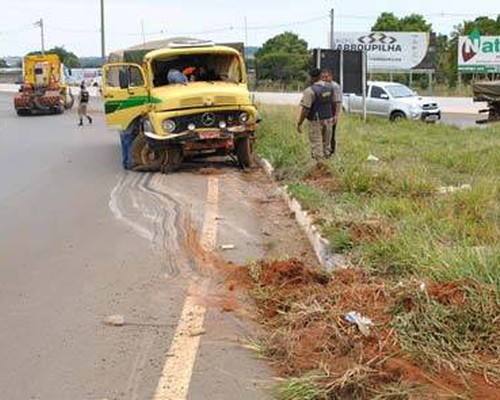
<point>393,101</point>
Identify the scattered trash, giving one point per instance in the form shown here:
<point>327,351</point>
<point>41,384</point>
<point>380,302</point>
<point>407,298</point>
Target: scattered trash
<point>373,158</point>
<point>453,189</point>
<point>228,247</point>
<point>197,333</point>
<point>423,287</point>
<point>363,323</point>
<point>114,320</point>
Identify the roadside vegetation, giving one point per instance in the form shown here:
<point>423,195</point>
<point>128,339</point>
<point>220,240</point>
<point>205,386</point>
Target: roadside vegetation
<point>420,233</point>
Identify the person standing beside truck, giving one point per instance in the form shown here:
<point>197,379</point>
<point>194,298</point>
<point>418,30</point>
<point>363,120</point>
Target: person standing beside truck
<point>83,101</point>
<point>317,106</point>
<point>327,76</point>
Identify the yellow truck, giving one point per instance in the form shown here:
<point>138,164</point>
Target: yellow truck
<point>183,100</point>
<point>44,88</point>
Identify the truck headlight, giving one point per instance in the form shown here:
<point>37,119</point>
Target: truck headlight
<point>244,117</point>
<point>169,125</point>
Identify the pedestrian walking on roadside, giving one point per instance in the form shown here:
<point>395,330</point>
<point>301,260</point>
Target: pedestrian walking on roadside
<point>83,101</point>
<point>327,76</point>
<point>318,108</point>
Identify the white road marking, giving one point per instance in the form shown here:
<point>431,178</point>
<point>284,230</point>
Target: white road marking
<point>176,376</point>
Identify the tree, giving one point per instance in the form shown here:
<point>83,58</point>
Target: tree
<point>388,22</point>
<point>3,63</point>
<point>486,25</point>
<point>67,58</point>
<point>283,58</point>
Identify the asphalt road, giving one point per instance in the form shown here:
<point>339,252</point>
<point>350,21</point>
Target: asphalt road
<point>461,121</point>
<point>81,240</point>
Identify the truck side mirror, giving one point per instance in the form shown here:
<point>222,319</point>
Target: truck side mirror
<point>384,96</point>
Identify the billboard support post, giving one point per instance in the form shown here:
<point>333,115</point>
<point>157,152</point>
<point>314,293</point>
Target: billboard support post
<point>341,71</point>
<point>364,65</point>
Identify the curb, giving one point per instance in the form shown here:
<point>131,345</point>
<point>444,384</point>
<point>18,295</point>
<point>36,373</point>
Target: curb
<point>321,246</point>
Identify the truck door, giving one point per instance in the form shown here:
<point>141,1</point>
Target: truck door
<point>378,102</point>
<point>125,92</point>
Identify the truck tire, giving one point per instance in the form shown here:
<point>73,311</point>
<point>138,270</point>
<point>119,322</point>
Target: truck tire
<point>39,105</point>
<point>243,150</point>
<point>397,116</point>
<point>173,160</point>
<point>146,159</point>
<point>23,113</point>
<point>68,104</point>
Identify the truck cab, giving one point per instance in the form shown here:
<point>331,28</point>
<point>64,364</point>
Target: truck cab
<point>184,100</point>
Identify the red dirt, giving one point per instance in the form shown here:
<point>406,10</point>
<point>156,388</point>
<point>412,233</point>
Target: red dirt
<point>211,171</point>
<point>369,231</point>
<point>321,177</point>
<point>303,316</point>
<point>448,293</point>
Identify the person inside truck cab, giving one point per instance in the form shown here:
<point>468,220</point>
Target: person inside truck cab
<point>176,77</point>
<point>195,74</point>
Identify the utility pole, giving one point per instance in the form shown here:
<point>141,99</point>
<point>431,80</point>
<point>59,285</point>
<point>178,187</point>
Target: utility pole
<point>42,36</point>
<point>103,43</point>
<point>332,28</point>
<point>142,31</point>
<point>246,31</point>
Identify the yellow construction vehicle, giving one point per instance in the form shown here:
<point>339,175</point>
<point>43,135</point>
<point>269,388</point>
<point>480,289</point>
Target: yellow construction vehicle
<point>44,88</point>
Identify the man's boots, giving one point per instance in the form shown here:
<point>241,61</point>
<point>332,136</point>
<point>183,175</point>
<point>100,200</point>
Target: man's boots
<point>80,123</point>
<point>89,118</point>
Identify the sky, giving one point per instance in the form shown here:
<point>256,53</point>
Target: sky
<point>75,24</point>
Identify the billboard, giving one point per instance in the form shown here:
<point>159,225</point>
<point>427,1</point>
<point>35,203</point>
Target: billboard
<point>347,68</point>
<point>390,51</point>
<point>480,54</point>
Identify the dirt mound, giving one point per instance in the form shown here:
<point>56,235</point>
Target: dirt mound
<point>291,272</point>
<point>303,313</point>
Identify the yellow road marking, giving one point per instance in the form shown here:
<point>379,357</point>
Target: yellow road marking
<point>178,369</point>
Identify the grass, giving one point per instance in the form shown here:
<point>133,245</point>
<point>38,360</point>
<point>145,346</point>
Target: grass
<point>427,213</point>
<point>434,235</point>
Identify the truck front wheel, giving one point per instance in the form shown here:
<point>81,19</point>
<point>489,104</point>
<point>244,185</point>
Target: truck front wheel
<point>144,157</point>
<point>243,150</point>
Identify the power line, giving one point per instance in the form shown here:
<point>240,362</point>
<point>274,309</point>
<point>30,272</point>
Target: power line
<point>18,30</point>
<point>229,28</point>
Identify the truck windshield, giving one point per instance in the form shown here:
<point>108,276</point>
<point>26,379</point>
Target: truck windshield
<point>188,68</point>
<point>399,91</point>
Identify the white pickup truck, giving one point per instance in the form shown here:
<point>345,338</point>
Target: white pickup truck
<point>394,101</point>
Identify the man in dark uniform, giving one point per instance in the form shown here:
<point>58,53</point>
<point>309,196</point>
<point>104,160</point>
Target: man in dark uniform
<point>318,107</point>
